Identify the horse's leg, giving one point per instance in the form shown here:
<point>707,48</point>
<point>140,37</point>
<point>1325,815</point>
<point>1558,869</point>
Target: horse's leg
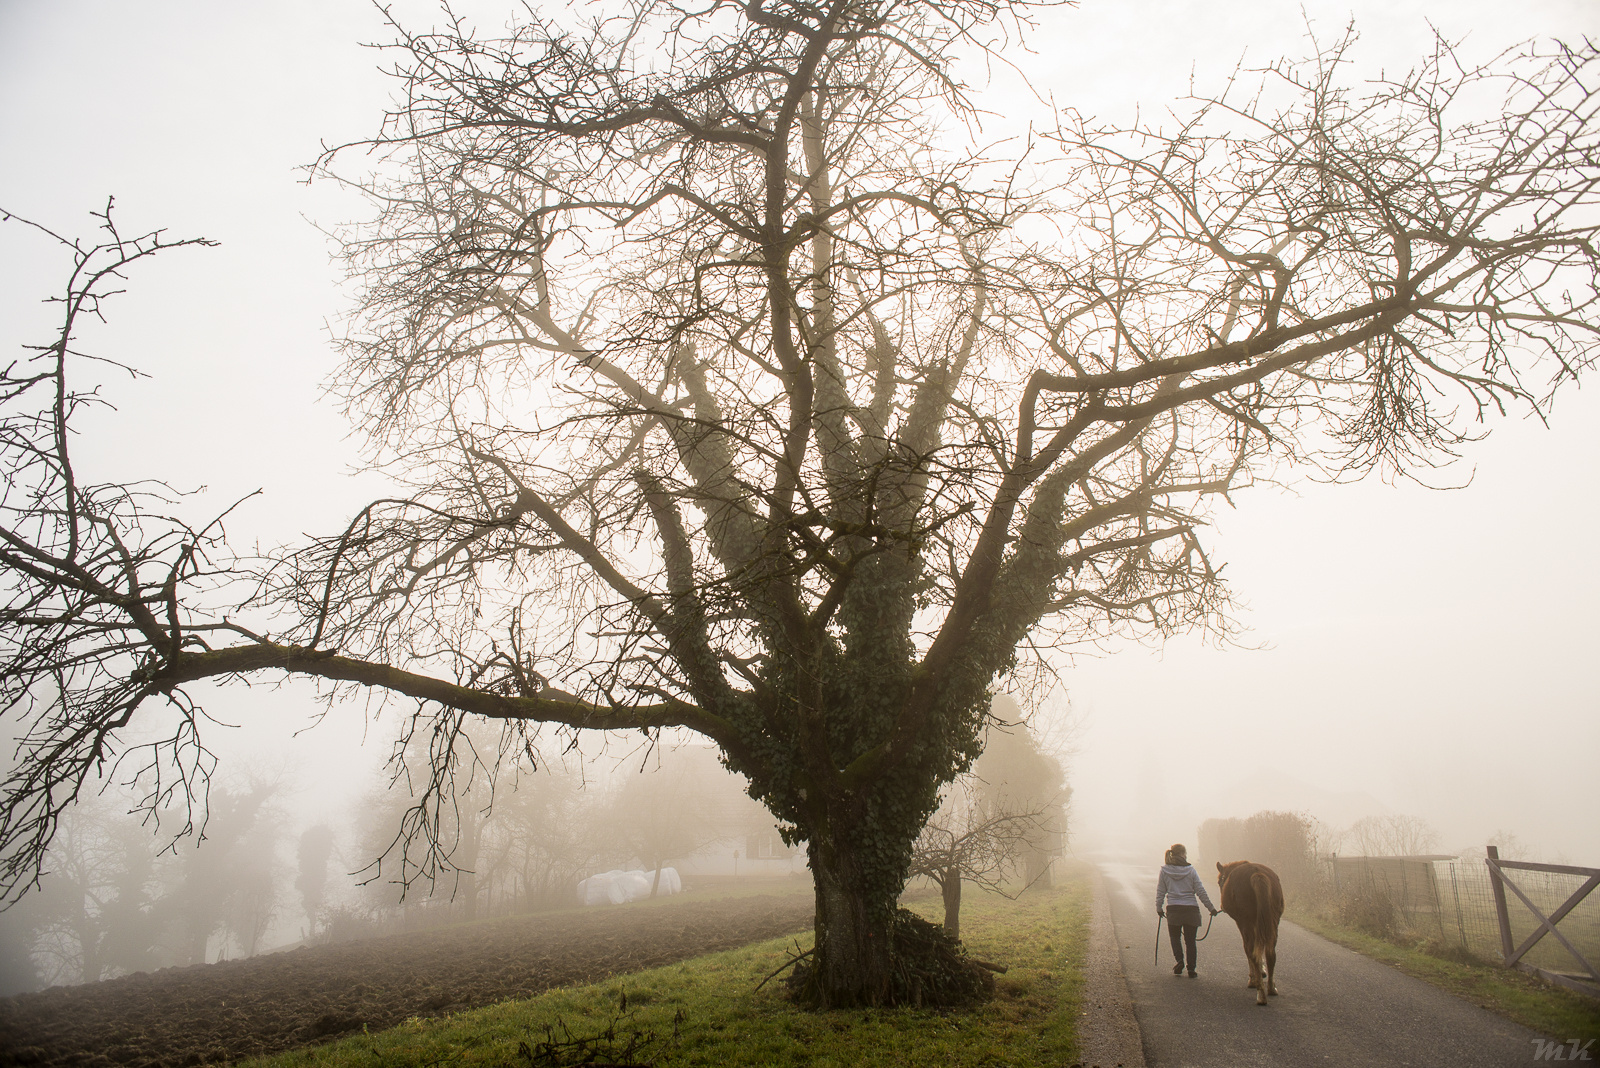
<point>1272,966</point>
<point>1259,966</point>
<point>1250,957</point>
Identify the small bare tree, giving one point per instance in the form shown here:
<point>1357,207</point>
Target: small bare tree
<point>969,839</point>
<point>1393,835</point>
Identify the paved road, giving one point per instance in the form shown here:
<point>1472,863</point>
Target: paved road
<point>1335,1007</point>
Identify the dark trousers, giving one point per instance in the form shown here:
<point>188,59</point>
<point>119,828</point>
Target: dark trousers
<point>1183,921</point>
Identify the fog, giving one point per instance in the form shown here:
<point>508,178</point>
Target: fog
<point>1415,652</point>
<point>1402,650</point>
<point>273,874</point>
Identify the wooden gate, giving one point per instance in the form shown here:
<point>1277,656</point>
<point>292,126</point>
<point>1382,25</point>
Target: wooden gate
<point>1587,981</point>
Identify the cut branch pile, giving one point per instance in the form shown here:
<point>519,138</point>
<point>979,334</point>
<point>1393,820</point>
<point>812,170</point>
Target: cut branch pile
<point>931,969</point>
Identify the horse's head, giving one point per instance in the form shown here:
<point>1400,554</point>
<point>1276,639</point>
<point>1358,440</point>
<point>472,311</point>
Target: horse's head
<point>1225,870</point>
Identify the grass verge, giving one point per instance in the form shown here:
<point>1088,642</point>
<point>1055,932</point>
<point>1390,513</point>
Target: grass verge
<point>1562,1014</point>
<point>705,1011</point>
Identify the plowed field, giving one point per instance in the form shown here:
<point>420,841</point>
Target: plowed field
<point>212,1013</point>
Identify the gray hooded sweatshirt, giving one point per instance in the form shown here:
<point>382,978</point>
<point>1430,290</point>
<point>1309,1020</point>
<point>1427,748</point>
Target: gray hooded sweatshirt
<point>1178,885</point>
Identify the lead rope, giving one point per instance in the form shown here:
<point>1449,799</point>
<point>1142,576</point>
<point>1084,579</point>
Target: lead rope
<point>1161,919</point>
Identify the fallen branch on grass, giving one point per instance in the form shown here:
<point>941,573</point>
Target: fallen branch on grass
<point>799,955</point>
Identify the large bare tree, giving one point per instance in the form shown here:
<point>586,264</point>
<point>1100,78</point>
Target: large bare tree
<point>734,390</point>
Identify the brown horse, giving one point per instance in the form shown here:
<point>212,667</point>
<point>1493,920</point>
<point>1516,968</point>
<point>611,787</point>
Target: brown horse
<point>1253,896</point>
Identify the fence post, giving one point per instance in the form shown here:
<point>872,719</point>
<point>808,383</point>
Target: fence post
<point>1461,921</point>
<point>1501,914</point>
<point>1438,902</point>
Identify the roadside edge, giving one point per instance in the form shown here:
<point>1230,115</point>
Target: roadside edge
<point>1108,1034</point>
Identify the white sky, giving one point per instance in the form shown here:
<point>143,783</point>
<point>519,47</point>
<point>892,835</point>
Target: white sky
<point>1430,651</point>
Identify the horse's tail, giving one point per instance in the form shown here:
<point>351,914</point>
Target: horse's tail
<point>1266,915</point>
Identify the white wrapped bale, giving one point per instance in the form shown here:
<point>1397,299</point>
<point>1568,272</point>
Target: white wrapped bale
<point>669,883</point>
<point>637,885</point>
<point>602,889</point>
<point>618,887</point>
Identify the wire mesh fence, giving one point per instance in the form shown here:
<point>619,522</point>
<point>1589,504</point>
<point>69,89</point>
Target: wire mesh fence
<point>1451,899</point>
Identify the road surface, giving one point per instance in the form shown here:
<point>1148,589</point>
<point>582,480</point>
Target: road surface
<point>1335,1007</point>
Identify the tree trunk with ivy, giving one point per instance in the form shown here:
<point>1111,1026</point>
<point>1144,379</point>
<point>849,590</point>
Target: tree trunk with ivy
<point>733,392</point>
<point>854,931</point>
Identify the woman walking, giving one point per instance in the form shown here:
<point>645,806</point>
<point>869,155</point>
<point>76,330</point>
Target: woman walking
<point>1177,888</point>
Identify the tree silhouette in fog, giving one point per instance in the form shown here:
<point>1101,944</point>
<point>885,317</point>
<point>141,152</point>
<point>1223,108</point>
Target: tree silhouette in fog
<point>311,879</point>
<point>732,387</point>
<point>113,901</point>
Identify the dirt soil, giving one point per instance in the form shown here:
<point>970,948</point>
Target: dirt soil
<point>215,1013</point>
